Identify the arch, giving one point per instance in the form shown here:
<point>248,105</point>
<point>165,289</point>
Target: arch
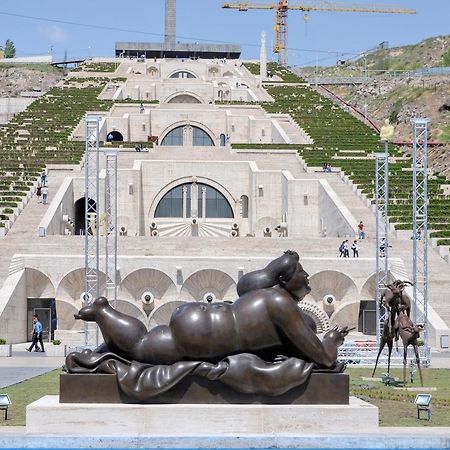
<point>114,135</point>
<point>80,214</point>
<point>186,180</point>
<point>184,97</point>
<point>71,286</point>
<point>206,281</point>
<point>368,291</point>
<point>190,135</point>
<point>346,314</point>
<point>65,311</point>
<point>162,315</point>
<point>211,203</point>
<point>130,309</point>
<point>332,282</point>
<point>183,73</point>
<point>223,140</point>
<point>192,123</point>
<point>152,70</point>
<point>148,280</point>
<point>38,284</point>
<point>319,316</point>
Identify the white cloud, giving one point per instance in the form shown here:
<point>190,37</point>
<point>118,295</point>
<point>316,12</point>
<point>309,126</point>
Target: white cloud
<point>53,33</point>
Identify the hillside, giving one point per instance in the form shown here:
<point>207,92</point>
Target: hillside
<point>401,96</point>
<point>15,79</point>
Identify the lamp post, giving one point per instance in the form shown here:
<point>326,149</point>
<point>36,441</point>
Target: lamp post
<point>365,113</point>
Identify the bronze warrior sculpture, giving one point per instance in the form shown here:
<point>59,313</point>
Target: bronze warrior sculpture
<point>262,335</point>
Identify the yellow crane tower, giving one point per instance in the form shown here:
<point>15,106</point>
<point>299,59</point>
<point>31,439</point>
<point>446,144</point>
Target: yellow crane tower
<point>281,16</point>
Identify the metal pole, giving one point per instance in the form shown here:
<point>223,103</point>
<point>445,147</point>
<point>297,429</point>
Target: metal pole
<point>110,226</point>
<point>381,257</point>
<point>420,224</point>
<point>91,240</point>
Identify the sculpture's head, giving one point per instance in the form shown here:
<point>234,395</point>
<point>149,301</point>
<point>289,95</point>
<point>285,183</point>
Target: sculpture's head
<point>285,271</point>
<point>90,312</point>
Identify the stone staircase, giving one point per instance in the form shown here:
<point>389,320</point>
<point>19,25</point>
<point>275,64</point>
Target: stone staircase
<point>297,134</point>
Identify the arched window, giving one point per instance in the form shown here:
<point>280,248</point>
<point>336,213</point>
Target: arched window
<point>182,74</point>
<point>114,136</point>
<point>223,140</point>
<point>201,139</point>
<point>188,135</point>
<point>184,98</point>
<point>200,199</point>
<point>174,137</point>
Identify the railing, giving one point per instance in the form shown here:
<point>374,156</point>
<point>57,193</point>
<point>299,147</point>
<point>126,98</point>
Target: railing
<point>366,354</point>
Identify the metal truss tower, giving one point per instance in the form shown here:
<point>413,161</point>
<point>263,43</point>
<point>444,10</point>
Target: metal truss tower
<point>420,224</point>
<point>110,226</point>
<point>381,255</point>
<point>91,238</point>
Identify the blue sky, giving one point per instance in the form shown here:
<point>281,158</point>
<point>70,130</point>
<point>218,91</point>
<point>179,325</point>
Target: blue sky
<point>324,37</point>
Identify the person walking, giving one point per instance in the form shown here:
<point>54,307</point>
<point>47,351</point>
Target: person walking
<point>355,249</point>
<point>361,232</point>
<point>43,177</point>
<point>44,191</point>
<point>342,250</point>
<point>346,249</point>
<point>37,335</point>
<point>39,193</point>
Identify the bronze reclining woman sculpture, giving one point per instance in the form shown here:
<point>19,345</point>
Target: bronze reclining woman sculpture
<point>265,321</point>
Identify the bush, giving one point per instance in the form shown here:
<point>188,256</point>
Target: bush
<point>2,341</point>
<point>56,342</point>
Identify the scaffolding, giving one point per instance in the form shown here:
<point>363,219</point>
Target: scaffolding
<point>382,241</point>
<point>91,238</point>
<point>420,224</point>
<point>109,225</point>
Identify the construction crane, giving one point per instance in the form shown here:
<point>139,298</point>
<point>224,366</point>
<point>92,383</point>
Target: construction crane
<point>281,16</point>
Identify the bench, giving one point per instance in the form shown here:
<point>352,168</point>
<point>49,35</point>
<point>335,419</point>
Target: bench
<point>4,404</point>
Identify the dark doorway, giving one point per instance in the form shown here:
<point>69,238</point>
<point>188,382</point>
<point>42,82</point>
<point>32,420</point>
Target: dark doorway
<point>367,317</point>
<point>45,309</point>
<point>80,214</point>
<point>114,136</point>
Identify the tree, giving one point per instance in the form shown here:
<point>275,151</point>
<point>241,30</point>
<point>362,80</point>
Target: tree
<point>10,50</point>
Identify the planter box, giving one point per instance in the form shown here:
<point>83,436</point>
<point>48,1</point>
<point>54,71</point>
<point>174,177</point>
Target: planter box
<point>5,350</point>
<point>54,350</point>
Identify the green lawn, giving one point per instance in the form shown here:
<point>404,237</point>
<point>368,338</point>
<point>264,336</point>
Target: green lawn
<point>396,406</point>
<point>22,394</point>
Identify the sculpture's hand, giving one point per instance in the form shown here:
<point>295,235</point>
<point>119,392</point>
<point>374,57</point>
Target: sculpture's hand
<point>280,359</point>
<point>337,335</point>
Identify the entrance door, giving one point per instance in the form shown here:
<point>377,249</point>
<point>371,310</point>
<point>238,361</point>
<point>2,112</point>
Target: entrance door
<point>369,322</point>
<point>45,316</point>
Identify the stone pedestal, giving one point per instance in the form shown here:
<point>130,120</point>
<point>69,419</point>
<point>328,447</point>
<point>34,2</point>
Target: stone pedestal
<point>48,416</point>
<point>321,389</point>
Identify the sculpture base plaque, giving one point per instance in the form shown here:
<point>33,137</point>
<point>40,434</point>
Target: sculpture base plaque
<point>321,389</point>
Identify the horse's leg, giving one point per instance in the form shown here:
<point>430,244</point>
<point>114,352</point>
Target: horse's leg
<point>405,352</point>
<point>390,343</point>
<point>416,351</point>
<point>382,344</point>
